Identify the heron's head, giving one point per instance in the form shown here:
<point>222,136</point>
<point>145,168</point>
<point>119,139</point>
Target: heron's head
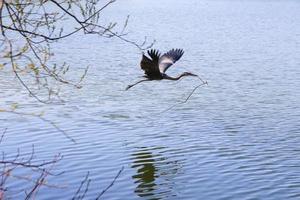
<point>188,74</point>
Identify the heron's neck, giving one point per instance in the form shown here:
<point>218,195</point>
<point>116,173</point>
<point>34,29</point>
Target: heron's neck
<point>173,78</point>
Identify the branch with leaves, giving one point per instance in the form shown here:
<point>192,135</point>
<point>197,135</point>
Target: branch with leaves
<point>28,30</point>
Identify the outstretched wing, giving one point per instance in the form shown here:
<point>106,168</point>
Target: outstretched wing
<point>169,58</point>
<point>150,65</point>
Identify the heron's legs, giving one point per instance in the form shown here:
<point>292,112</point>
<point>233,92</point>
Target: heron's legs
<point>129,86</point>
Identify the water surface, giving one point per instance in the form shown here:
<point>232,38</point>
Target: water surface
<point>238,138</point>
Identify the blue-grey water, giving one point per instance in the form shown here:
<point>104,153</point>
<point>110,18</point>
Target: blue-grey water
<point>237,138</point>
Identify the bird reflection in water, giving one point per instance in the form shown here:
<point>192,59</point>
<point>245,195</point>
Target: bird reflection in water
<point>154,174</point>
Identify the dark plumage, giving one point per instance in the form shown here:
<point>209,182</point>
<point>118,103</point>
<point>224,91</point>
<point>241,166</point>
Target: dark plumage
<point>150,65</point>
<point>155,65</point>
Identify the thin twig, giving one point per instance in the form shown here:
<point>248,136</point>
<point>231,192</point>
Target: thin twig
<point>45,120</point>
<point>86,181</point>
<point>25,178</point>
<point>188,97</point>
<point>2,136</point>
<point>19,78</point>
<point>29,165</point>
<point>111,184</point>
<point>81,184</point>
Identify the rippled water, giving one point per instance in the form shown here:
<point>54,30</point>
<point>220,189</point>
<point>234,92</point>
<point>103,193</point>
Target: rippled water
<point>238,138</point>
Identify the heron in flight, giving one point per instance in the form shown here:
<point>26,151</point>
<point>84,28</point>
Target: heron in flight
<point>156,66</point>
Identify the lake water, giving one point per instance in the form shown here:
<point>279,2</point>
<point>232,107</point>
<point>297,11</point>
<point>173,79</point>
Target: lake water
<point>237,138</point>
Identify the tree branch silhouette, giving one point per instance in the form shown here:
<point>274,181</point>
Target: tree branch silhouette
<point>35,174</point>
<point>28,29</point>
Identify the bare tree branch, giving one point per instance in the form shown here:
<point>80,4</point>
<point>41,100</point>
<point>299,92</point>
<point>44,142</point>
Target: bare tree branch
<point>111,184</point>
<point>26,165</point>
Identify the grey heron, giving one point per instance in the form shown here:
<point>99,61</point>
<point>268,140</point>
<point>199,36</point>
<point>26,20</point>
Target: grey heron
<point>156,65</point>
